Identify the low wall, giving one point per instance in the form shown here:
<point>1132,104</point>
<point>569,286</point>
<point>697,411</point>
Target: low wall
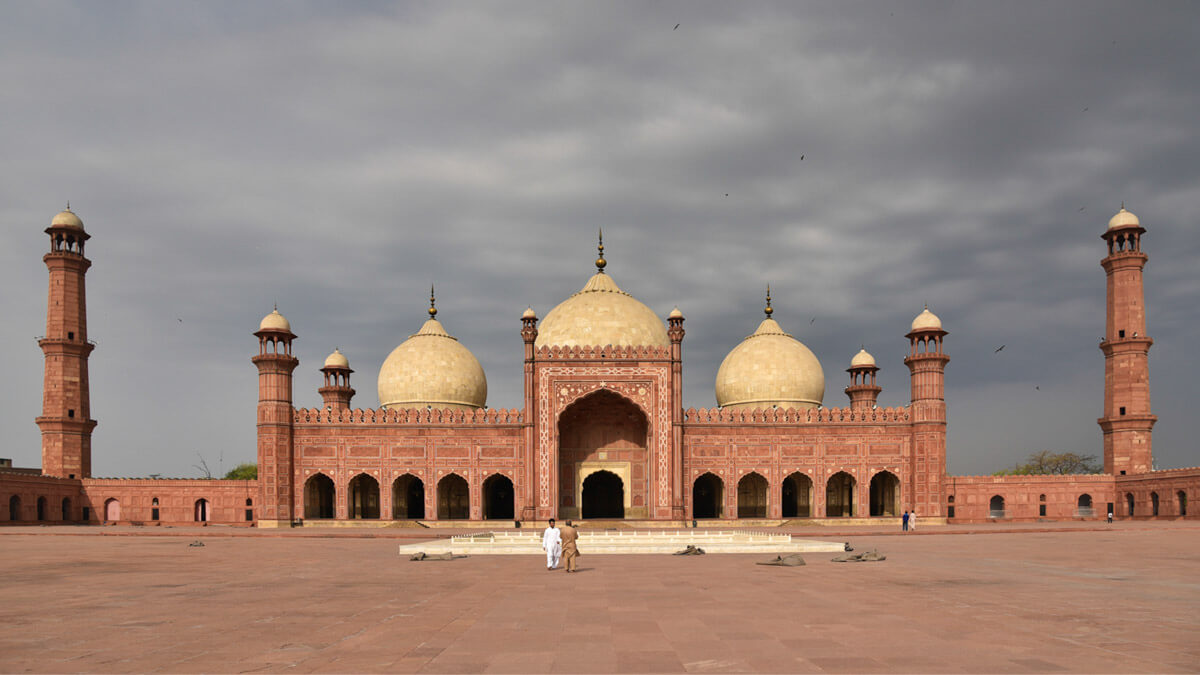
<point>1053,497</point>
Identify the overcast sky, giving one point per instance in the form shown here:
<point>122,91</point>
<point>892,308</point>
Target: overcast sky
<point>336,158</point>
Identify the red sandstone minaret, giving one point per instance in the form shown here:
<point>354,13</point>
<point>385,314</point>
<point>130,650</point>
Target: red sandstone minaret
<point>529,333</point>
<point>275,365</point>
<point>927,365</point>
<point>863,391</point>
<point>675,333</point>
<point>66,421</point>
<point>1127,420</point>
<point>337,392</point>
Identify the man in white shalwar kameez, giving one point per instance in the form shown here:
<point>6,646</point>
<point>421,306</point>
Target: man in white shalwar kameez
<point>552,545</point>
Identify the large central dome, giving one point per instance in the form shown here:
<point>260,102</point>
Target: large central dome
<point>600,315</point>
<point>770,369</point>
<point>432,369</point>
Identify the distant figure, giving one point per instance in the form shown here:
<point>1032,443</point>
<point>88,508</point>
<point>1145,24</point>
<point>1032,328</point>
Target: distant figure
<point>552,545</point>
<point>912,520</point>
<point>1110,516</point>
<point>904,522</point>
<point>570,551</point>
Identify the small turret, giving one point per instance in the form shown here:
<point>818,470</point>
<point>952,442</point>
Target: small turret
<point>337,392</point>
<point>863,391</point>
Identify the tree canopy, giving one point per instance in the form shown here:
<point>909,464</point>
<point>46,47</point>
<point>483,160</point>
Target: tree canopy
<point>243,472</point>
<point>1047,462</point>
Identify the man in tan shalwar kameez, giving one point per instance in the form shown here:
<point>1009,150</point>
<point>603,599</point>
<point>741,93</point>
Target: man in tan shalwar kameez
<point>570,550</point>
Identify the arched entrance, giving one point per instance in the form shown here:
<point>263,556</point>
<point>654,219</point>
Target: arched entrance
<point>1129,503</point>
<point>364,497</point>
<point>885,494</point>
<point>454,498</point>
<point>66,508</point>
<point>201,511</point>
<point>14,508</point>
<point>603,496</point>
<point>996,507</point>
<point>796,496</point>
<point>41,508</point>
<point>1181,500</point>
<point>1084,505</point>
<point>1153,504</point>
<point>839,495</point>
<point>112,510</point>
<point>708,495</point>
<point>408,498</point>
<point>752,496</point>
<point>498,496</point>
<point>319,495</point>
<point>603,431</point>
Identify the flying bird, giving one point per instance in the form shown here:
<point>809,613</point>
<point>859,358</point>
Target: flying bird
<point>677,26</point>
<point>180,320</point>
<point>999,349</point>
<point>1038,388</point>
<point>1085,110</point>
<point>812,321</point>
<point>801,158</point>
<point>1082,208</point>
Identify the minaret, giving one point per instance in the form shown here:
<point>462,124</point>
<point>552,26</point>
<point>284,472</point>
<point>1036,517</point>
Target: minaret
<point>66,420</point>
<point>337,392</point>
<point>675,332</point>
<point>863,391</point>
<point>275,413</point>
<point>927,366</point>
<point>529,333</point>
<point>1127,421</point>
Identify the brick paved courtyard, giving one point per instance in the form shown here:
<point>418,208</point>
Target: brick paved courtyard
<point>1023,601</point>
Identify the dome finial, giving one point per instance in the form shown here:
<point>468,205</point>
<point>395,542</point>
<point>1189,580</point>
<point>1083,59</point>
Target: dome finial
<point>767,310</point>
<point>601,262</point>
<point>432,303</point>
<point>69,204</point>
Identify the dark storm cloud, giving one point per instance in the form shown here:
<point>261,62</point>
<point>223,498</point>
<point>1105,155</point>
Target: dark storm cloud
<point>337,159</point>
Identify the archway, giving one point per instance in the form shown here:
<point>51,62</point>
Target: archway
<point>1154,503</point>
<point>66,508</point>
<point>603,431</point>
<point>996,507</point>
<point>112,510</point>
<point>408,498</point>
<point>1129,503</point>
<point>603,496</point>
<point>1181,500</point>
<point>454,498</point>
<point>498,497</point>
<point>796,496</point>
<point>839,495</point>
<point>14,508</point>
<point>1084,505</point>
<point>752,496</point>
<point>885,494</point>
<point>708,495</point>
<point>364,498</point>
<point>41,508</point>
<point>201,511</point>
<point>319,497</point>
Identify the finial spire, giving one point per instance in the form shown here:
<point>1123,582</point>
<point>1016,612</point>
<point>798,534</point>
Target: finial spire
<point>1122,205</point>
<point>767,310</point>
<point>69,204</point>
<point>276,306</point>
<point>432,303</point>
<point>601,262</point>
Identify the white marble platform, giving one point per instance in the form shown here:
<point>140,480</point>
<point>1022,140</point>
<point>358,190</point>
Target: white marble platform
<point>627,542</point>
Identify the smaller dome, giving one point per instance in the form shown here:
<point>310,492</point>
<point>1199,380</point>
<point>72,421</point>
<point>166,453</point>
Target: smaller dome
<point>862,358</point>
<point>529,313</point>
<point>67,219</point>
<point>926,320</point>
<point>337,360</point>
<point>675,314</point>
<point>1123,219</point>
<point>275,321</point>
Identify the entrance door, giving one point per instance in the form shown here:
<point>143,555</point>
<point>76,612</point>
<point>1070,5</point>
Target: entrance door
<point>603,496</point>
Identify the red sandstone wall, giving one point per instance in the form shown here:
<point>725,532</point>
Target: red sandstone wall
<point>28,489</point>
<point>474,446</point>
<point>227,500</point>
<point>816,443</point>
<point>971,496</point>
<point>1178,492</point>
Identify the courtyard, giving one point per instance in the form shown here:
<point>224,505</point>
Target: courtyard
<point>1036,598</point>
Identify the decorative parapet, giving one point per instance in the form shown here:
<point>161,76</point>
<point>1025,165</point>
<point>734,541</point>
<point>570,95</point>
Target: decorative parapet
<point>1029,479</point>
<point>795,416</point>
<point>607,352</point>
<point>409,416</point>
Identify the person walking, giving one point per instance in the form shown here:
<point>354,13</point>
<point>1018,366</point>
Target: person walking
<point>912,521</point>
<point>904,522</point>
<point>552,545</point>
<point>570,549</point>
<point>1110,516</point>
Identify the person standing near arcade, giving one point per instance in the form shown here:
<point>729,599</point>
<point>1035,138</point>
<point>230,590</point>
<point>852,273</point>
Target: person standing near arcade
<point>552,545</point>
<point>570,550</point>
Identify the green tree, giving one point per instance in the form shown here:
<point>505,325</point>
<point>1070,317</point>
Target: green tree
<point>243,472</point>
<point>1046,462</point>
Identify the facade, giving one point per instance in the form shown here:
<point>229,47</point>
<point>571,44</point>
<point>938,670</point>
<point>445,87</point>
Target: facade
<point>602,433</point>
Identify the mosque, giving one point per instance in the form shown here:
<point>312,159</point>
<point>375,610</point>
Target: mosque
<point>602,434</point>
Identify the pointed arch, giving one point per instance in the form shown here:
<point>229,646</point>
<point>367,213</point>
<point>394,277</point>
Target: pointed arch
<point>320,495</point>
<point>408,497</point>
<point>795,496</point>
<point>708,496</point>
<point>839,495</point>
<point>752,493</point>
<point>364,498</point>
<point>498,497</point>
<point>453,498</point>
<point>885,494</point>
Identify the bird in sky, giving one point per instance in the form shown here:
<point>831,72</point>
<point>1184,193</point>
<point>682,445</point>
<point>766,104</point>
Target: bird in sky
<point>999,349</point>
<point>801,158</point>
<point>811,321</point>
<point>1082,208</point>
<point>677,26</point>
<point>1038,388</point>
